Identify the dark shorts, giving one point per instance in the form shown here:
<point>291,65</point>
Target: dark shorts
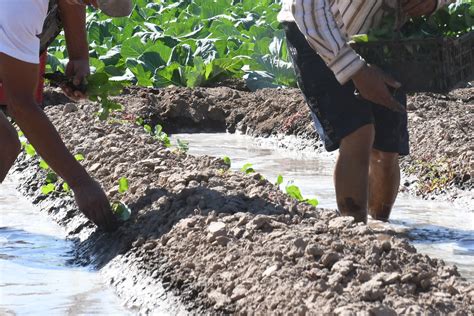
<point>336,111</point>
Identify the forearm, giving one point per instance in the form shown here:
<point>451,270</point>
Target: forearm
<point>74,20</point>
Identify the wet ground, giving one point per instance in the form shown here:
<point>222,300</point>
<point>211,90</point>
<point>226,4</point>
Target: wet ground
<point>35,277</point>
<point>440,229</point>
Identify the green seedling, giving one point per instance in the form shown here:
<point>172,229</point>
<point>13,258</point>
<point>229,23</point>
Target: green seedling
<point>295,192</point>
<point>247,168</point>
<point>183,146</point>
<point>98,89</point>
<point>279,180</point>
<point>121,211</point>
<point>227,161</point>
<point>123,185</point>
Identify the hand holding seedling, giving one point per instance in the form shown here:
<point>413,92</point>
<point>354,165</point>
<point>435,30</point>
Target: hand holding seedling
<point>77,70</point>
<point>373,85</point>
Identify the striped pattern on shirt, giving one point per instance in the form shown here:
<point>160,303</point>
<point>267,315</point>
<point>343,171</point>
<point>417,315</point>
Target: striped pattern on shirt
<point>328,24</point>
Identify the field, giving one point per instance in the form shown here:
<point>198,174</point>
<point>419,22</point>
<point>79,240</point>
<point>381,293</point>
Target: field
<point>198,237</point>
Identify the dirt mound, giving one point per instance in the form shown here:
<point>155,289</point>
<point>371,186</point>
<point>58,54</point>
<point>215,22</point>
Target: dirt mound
<point>442,148</point>
<point>206,239</point>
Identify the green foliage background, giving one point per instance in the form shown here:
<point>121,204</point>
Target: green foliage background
<point>197,42</point>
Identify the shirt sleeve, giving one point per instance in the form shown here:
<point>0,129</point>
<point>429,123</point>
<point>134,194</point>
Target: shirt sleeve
<point>316,21</point>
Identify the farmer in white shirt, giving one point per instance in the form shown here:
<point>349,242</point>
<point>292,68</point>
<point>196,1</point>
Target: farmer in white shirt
<point>21,22</point>
<point>370,132</point>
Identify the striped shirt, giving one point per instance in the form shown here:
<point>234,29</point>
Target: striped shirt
<point>328,24</point>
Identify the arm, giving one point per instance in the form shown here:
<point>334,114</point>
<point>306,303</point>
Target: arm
<point>74,20</point>
<point>316,21</point>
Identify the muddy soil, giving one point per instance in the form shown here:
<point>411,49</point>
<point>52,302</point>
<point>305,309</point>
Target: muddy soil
<point>204,239</point>
<point>441,127</point>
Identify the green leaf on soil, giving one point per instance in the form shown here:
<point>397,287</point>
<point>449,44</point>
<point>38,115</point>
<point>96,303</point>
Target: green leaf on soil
<point>279,180</point>
<point>313,202</point>
<point>48,188</point>
<point>79,157</point>
<point>30,150</point>
<point>123,185</point>
<point>51,177</point>
<point>43,165</point>
<point>247,168</point>
<point>121,210</point>
<point>227,161</point>
<point>66,187</point>
<point>295,192</point>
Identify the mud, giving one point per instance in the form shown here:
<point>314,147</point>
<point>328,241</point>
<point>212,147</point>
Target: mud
<point>204,239</point>
<point>441,163</point>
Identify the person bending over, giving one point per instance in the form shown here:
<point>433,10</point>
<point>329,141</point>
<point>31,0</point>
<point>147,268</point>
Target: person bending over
<point>20,23</point>
<point>370,130</point>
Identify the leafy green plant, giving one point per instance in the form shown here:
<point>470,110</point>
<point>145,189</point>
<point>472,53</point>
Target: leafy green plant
<point>182,145</point>
<point>227,161</point>
<point>120,209</point>
<point>123,185</point>
<point>279,180</point>
<point>187,43</point>
<point>247,168</point>
<point>99,88</point>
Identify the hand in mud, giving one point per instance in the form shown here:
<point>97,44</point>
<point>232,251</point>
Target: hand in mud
<point>93,203</point>
<point>372,84</point>
<point>416,8</point>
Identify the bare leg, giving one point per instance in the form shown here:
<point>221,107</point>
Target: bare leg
<point>9,144</point>
<point>352,172</point>
<point>384,180</point>
<point>20,80</point>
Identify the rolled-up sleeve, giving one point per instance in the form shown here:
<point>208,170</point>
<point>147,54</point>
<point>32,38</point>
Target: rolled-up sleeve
<point>317,23</point>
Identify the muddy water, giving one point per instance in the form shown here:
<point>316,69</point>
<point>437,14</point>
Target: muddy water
<point>439,229</point>
<point>35,278</point>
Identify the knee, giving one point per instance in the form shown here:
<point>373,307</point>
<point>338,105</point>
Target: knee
<point>383,159</point>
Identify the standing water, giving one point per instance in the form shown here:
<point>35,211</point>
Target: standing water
<point>35,278</point>
<point>439,229</point>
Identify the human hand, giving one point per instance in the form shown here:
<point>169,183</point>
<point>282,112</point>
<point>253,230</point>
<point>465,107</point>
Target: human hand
<point>372,84</point>
<point>93,203</point>
<point>78,70</point>
<point>416,8</point>
<point>83,2</point>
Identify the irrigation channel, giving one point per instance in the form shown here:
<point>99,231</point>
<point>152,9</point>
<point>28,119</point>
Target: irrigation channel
<point>439,229</point>
<point>35,277</point>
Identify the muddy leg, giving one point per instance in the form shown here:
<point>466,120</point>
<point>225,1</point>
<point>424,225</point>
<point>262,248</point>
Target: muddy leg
<point>9,144</point>
<point>352,172</point>
<point>19,81</point>
<point>384,180</point>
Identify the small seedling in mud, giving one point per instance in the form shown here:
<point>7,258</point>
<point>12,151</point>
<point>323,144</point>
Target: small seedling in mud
<point>247,168</point>
<point>120,209</point>
<point>227,161</point>
<point>295,192</point>
<point>182,145</point>
<point>157,132</point>
<point>279,180</point>
<point>123,185</point>
<point>30,150</point>
<point>98,89</point>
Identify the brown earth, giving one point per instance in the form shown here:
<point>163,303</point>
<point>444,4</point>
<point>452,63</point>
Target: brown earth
<point>204,239</point>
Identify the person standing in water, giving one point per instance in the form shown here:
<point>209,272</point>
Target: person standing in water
<point>21,21</point>
<point>369,129</point>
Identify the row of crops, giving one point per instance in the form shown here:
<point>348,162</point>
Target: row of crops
<point>197,42</point>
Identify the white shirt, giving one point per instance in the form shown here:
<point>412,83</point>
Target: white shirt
<point>21,21</point>
<point>328,24</point>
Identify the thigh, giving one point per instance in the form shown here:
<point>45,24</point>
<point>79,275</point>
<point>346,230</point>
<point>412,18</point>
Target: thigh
<point>335,109</point>
<point>19,79</point>
<point>391,128</point>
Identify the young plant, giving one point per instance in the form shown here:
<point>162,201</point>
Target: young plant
<point>182,145</point>
<point>247,168</point>
<point>120,209</point>
<point>98,89</point>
